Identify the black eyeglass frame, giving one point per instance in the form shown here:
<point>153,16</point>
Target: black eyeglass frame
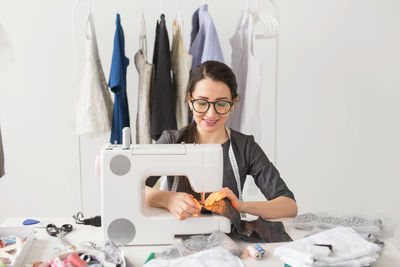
<point>214,102</point>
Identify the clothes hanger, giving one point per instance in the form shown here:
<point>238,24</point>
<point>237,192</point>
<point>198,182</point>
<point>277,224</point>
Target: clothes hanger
<point>118,6</point>
<point>270,23</point>
<point>177,25</point>
<point>142,36</point>
<point>162,6</point>
<point>75,8</point>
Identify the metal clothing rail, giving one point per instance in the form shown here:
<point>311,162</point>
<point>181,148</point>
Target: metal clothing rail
<point>268,24</point>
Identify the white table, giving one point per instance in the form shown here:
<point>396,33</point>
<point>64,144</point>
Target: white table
<point>46,247</point>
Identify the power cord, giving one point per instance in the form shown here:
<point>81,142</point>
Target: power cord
<point>93,221</point>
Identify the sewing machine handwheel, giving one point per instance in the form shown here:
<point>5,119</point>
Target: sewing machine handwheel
<point>121,231</point>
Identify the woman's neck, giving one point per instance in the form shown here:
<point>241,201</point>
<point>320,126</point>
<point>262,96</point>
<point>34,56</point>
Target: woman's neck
<point>218,137</point>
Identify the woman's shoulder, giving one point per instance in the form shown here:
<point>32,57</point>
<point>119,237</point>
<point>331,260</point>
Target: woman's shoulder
<point>171,136</point>
<point>239,137</point>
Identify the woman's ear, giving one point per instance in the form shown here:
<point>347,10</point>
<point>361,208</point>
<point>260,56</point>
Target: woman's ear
<point>188,98</point>
<point>189,103</point>
<point>235,100</point>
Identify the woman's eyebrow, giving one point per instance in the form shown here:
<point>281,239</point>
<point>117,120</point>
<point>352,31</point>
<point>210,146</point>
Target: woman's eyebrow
<point>219,98</point>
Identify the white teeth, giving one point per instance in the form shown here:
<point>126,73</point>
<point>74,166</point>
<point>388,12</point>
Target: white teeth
<point>211,121</point>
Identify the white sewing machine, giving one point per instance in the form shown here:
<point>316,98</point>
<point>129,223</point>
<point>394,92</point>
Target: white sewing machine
<point>124,169</point>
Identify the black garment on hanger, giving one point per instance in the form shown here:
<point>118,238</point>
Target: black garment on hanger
<point>163,98</point>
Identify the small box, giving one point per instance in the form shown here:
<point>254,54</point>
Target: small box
<point>21,232</point>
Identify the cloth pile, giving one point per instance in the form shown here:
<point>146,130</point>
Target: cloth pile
<point>340,246</point>
<point>218,257</point>
<point>309,221</point>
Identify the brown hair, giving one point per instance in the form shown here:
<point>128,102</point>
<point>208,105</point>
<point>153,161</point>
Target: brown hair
<point>216,71</point>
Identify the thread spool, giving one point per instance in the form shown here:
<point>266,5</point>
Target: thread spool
<point>254,253</point>
<point>74,259</point>
<point>126,138</point>
<point>259,248</point>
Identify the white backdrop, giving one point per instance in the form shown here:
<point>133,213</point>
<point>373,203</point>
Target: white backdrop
<point>337,104</point>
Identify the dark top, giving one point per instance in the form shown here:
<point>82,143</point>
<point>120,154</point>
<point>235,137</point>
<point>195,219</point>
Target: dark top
<point>162,102</point>
<point>251,160</point>
<point>117,84</point>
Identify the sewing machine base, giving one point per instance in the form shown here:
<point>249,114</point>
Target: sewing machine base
<point>163,228</point>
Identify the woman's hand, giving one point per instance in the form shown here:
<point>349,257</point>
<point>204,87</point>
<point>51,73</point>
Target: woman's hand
<point>225,193</point>
<point>183,205</point>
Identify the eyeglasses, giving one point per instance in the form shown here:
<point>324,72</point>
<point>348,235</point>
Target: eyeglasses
<point>221,106</point>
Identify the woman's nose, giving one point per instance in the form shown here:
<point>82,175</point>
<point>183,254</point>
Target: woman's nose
<point>211,110</point>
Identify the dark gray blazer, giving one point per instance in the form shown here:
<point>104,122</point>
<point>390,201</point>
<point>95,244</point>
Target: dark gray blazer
<point>251,160</point>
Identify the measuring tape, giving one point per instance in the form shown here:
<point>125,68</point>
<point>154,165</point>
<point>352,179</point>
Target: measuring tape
<point>175,184</point>
<point>235,169</point>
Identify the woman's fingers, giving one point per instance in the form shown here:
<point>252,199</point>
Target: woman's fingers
<point>183,213</point>
<point>183,205</point>
<point>228,193</point>
<point>213,197</point>
<point>236,203</point>
<point>220,195</point>
<point>197,204</point>
<point>189,208</point>
<point>190,200</point>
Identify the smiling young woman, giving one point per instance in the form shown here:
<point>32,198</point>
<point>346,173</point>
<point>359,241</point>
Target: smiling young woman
<point>212,96</point>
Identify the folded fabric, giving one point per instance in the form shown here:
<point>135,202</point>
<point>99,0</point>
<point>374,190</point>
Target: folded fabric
<point>359,224</point>
<point>287,265</point>
<point>348,249</point>
<point>218,257</point>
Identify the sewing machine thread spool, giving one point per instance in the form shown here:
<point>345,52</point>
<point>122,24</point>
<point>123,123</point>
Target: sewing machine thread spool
<point>126,138</point>
<point>259,248</point>
<point>254,253</point>
<point>74,259</point>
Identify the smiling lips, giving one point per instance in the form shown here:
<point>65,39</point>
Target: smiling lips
<point>210,122</point>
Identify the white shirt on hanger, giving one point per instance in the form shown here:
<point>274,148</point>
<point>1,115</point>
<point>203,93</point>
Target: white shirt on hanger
<point>247,68</point>
<point>95,107</point>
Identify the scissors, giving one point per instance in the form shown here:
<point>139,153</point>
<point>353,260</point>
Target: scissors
<point>60,232</point>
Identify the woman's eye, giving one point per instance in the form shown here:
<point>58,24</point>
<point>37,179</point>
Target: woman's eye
<point>202,103</point>
<point>222,104</point>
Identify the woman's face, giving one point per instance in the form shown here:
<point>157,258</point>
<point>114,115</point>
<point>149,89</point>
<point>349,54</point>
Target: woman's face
<point>211,91</point>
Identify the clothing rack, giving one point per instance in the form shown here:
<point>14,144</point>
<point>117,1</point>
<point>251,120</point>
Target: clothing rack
<point>78,3</point>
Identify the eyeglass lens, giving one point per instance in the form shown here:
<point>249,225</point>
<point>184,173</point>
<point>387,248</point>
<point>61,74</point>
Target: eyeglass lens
<point>221,106</point>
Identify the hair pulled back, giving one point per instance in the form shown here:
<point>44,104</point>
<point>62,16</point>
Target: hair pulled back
<point>216,71</point>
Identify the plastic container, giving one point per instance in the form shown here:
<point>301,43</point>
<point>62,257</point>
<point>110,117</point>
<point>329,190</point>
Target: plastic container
<point>21,232</point>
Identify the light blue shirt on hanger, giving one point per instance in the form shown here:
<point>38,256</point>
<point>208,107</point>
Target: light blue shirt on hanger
<point>204,42</point>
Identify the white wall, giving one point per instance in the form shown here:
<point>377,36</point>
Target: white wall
<point>337,136</point>
<point>338,114</point>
